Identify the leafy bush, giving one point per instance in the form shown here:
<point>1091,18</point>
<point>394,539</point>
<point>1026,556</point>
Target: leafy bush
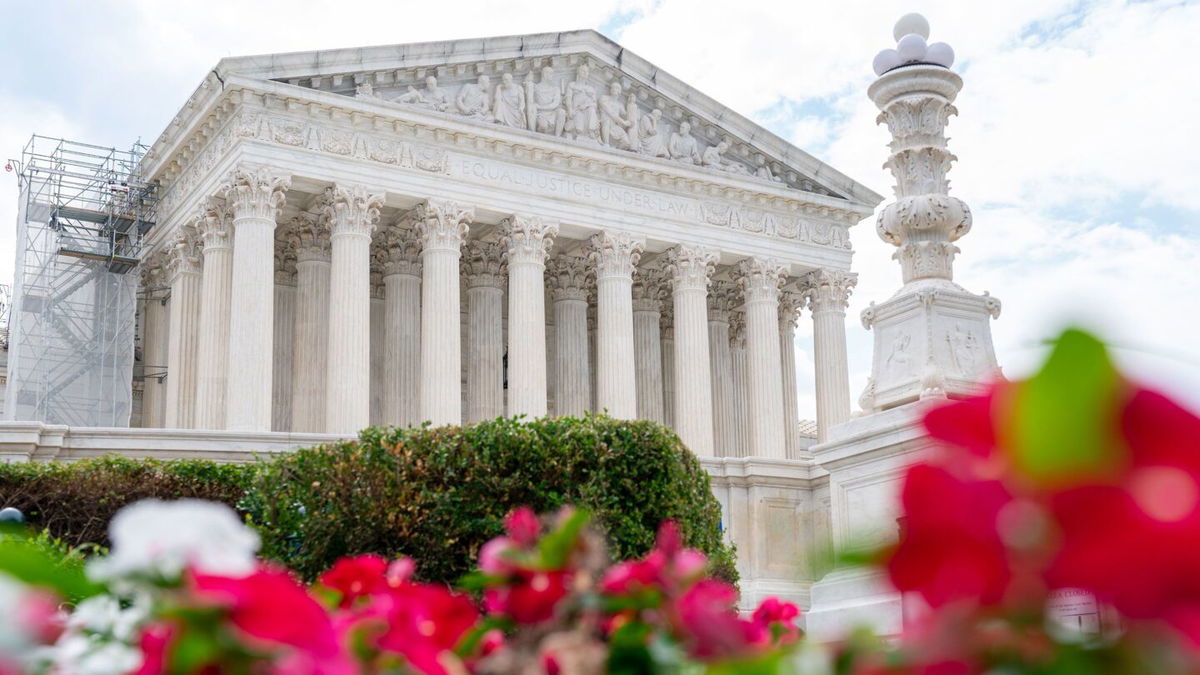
<point>433,494</point>
<point>74,501</point>
<point>438,494</point>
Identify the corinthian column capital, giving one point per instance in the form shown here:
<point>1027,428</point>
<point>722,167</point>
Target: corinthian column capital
<point>649,289</point>
<point>215,224</point>
<point>255,192</point>
<point>352,209</point>
<point>401,251</point>
<point>183,252</point>
<point>690,267</point>
<point>760,279</point>
<point>827,290</point>
<point>616,254</point>
<point>567,278</point>
<point>285,254</point>
<point>528,238</point>
<point>310,236</point>
<point>483,264</point>
<point>790,303</point>
<point>442,225</point>
<point>722,299</point>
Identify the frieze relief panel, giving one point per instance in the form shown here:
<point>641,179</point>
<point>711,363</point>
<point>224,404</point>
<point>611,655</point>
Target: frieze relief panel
<point>385,147</point>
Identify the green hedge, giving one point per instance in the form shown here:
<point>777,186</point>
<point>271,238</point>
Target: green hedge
<point>434,494</point>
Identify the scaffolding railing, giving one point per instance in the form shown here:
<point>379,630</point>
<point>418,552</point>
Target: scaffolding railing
<point>82,215</point>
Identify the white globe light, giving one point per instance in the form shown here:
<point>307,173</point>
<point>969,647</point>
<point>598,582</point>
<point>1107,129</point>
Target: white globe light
<point>911,23</point>
<point>885,61</point>
<point>940,53</point>
<point>911,47</point>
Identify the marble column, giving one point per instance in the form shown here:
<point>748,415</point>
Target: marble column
<point>760,280</point>
<point>828,295</point>
<point>741,385</point>
<point>255,197</point>
<point>648,291</point>
<point>721,301</point>
<point>667,334</point>
<point>790,303</point>
<point>527,239</point>
<point>212,365</point>
<point>154,346</point>
<point>615,255</point>
<point>483,265</point>
<point>378,343</point>
<point>283,367</point>
<point>183,275</point>
<point>690,268</point>
<point>310,335</point>
<point>442,227</point>
<point>402,350</point>
<point>567,279</point>
<point>352,214</point>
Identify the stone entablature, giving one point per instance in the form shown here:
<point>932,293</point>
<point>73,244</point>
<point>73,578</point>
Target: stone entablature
<point>591,176</point>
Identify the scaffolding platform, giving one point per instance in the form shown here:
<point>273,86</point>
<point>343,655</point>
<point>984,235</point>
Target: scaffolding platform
<point>82,214</point>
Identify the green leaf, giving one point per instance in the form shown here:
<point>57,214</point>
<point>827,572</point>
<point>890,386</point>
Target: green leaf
<point>556,546</point>
<point>1064,418</point>
<point>32,565</point>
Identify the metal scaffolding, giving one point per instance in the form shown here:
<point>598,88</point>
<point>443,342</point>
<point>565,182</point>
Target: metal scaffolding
<point>81,217</point>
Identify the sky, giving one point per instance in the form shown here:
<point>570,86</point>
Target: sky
<point>1078,135</point>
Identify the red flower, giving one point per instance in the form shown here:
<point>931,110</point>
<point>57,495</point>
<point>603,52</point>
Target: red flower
<point>356,577</point>
<point>778,619</point>
<point>951,546</point>
<point>969,424</point>
<point>522,526</point>
<point>1135,542</point>
<point>270,606</point>
<point>531,597</point>
<point>668,567</point>
<point>706,618</point>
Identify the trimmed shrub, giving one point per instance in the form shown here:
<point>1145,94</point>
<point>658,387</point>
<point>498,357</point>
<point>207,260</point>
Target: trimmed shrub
<point>438,494</point>
<point>74,501</point>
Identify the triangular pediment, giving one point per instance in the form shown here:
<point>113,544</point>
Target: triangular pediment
<point>578,86</point>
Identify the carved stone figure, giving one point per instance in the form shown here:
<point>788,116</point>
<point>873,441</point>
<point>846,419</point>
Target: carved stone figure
<point>683,145</point>
<point>364,90</point>
<point>509,104</point>
<point>545,101</point>
<point>616,127</point>
<point>714,158</point>
<point>763,171</point>
<point>650,136</point>
<point>582,120</point>
<point>474,99</point>
<point>432,96</point>
<point>898,358</point>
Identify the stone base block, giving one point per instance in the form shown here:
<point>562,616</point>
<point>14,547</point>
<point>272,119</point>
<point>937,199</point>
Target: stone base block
<point>849,599</point>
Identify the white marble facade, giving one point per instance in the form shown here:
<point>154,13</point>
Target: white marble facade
<point>513,226</point>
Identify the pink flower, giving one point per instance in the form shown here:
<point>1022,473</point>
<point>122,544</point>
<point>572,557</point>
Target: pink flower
<point>356,577</point>
<point>778,619</point>
<point>494,556</point>
<point>423,623</point>
<point>522,526</point>
<point>707,620</point>
<point>154,643</point>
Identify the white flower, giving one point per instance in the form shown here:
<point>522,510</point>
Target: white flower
<point>158,539</point>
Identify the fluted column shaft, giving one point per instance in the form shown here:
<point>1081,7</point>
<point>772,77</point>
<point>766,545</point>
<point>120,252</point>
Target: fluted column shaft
<point>254,198</point>
<point>154,352</point>
<point>284,367</point>
<point>789,310</point>
<point>485,351</point>
<point>527,239</point>
<point>215,297</point>
<point>741,386</point>
<point>182,340</point>
<point>828,294</point>
<point>721,373</point>
<point>310,349</point>
<point>616,255</point>
<point>442,227</point>
<point>668,365</point>
<point>647,358</point>
<point>352,214</point>
<point>690,268</point>
<point>566,278</point>
<point>402,349</point>
<point>760,281</point>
